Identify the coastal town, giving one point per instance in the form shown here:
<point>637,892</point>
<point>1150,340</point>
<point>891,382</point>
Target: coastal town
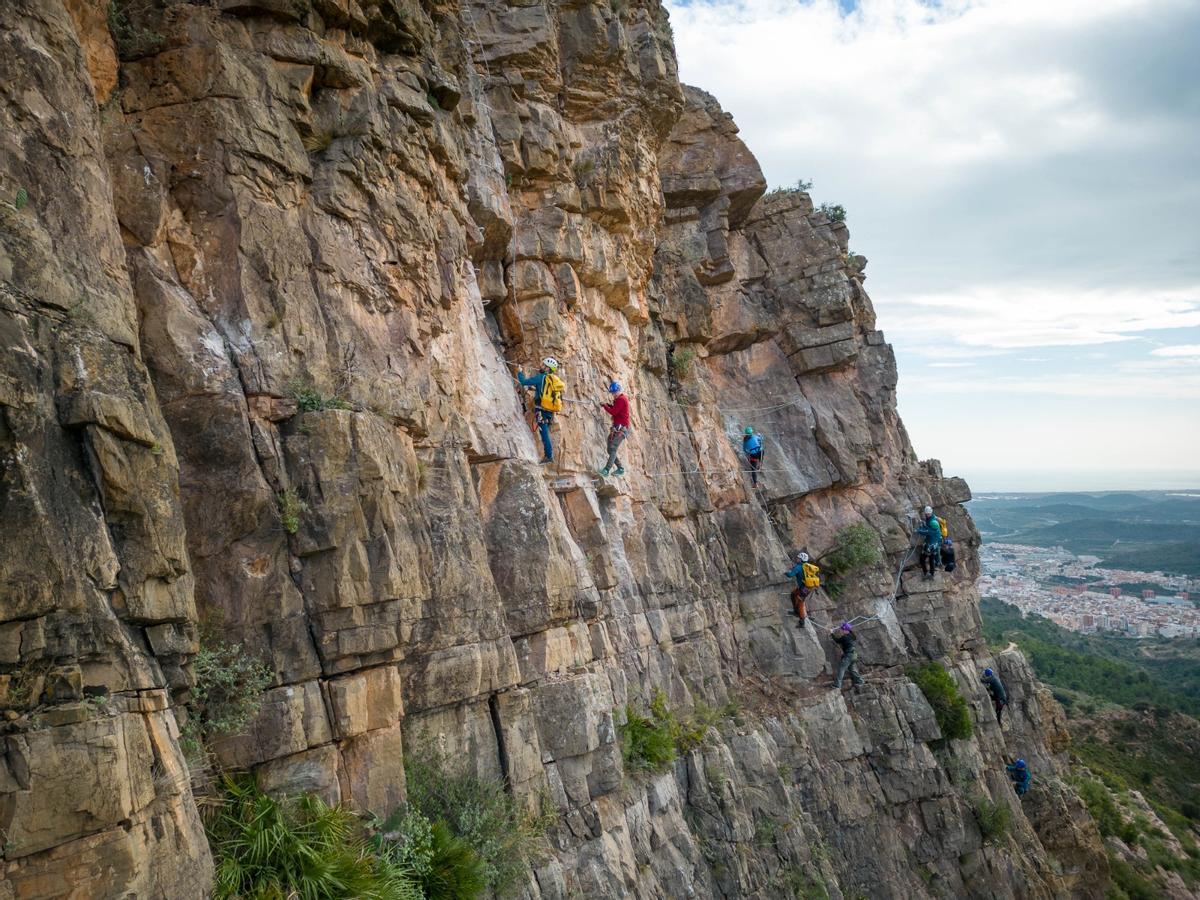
<point>1076,593</point>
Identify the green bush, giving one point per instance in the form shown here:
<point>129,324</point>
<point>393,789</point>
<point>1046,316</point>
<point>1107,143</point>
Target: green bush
<point>1130,882</point>
<point>994,820</point>
<point>228,689</point>
<point>291,508</point>
<point>446,867</point>
<point>267,848</point>
<point>651,743</point>
<point>940,689</point>
<point>647,744</point>
<point>834,212</point>
<point>1104,810</point>
<point>854,547</point>
<point>309,399</point>
<point>681,362</point>
<point>504,837</point>
<point>801,186</point>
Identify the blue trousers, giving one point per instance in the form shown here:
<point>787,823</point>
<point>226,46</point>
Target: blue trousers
<point>543,418</point>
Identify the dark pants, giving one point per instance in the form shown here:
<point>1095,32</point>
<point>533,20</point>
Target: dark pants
<point>616,436</point>
<point>931,558</point>
<point>755,461</point>
<point>847,667</point>
<point>999,704</point>
<point>543,418</point>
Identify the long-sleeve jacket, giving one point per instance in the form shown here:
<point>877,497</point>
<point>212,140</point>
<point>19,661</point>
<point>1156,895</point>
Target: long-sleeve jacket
<point>1020,778</point>
<point>800,570</point>
<point>752,445</point>
<point>846,640</point>
<point>995,687</point>
<point>932,531</point>
<point>536,381</point>
<point>618,409</point>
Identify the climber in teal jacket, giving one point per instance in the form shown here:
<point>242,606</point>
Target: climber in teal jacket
<point>931,552</point>
<point>1020,775</point>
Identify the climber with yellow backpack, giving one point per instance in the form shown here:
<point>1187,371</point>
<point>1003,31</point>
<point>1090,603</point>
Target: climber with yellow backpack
<point>808,579</point>
<point>933,531</point>
<point>547,400</point>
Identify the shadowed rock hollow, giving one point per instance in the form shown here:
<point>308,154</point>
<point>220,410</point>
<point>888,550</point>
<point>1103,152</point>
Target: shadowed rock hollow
<point>238,202</point>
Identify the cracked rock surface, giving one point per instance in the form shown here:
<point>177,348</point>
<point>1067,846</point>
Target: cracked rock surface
<point>290,252</point>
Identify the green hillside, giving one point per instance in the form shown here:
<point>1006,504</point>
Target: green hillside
<point>1128,705</point>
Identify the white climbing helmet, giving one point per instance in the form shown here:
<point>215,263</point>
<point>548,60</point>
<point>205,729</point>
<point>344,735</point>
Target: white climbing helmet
<point>550,363</point>
<point>802,556</point>
<point>928,510</point>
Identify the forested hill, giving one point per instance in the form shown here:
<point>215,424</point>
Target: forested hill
<point>1131,707</point>
<point>1144,530</point>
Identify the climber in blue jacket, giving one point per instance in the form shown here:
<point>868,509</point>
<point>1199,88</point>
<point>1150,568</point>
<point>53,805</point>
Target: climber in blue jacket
<point>752,446</point>
<point>1020,775</point>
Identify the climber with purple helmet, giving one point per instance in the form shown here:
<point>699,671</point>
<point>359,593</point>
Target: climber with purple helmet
<point>845,638</point>
<point>618,411</point>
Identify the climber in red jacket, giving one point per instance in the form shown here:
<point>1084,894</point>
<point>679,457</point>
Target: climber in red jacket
<point>618,409</point>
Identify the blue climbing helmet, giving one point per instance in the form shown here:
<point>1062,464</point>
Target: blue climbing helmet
<point>1020,764</point>
<point>845,626</point>
<point>988,673</point>
<point>614,387</point>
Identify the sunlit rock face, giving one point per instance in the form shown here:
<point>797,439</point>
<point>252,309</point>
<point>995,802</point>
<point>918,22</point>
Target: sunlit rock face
<point>290,252</point>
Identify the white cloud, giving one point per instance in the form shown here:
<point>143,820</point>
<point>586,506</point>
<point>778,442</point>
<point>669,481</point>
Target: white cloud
<point>1021,173</point>
<point>1023,316</point>
<point>1188,350</point>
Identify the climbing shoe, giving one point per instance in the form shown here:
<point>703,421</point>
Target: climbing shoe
<point>604,473</point>
<point>620,470</point>
<point>546,462</point>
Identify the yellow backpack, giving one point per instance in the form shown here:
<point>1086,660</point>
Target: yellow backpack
<point>812,576</point>
<point>942,525</point>
<point>551,399</point>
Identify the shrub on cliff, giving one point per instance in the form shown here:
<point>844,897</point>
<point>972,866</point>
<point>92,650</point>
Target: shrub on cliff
<point>994,819</point>
<point>940,689</point>
<point>504,837</point>
<point>648,742</point>
<point>228,689</point>
<point>445,866</point>
<point>854,547</point>
<point>300,847</point>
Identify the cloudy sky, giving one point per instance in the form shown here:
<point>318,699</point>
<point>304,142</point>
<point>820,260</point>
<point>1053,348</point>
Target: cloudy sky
<point>1024,177</point>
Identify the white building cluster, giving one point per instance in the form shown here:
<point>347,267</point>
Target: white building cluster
<point>1075,593</point>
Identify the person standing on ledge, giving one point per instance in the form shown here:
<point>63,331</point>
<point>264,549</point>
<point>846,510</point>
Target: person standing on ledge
<point>808,579</point>
<point>931,553</point>
<point>845,638</point>
<point>618,410</point>
<point>752,446</point>
<point>547,400</point>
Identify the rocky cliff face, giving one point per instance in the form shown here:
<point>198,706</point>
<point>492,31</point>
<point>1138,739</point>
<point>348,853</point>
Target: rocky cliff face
<point>240,210</point>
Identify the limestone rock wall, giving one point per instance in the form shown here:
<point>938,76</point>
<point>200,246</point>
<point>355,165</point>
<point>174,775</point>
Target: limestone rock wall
<point>286,253</point>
